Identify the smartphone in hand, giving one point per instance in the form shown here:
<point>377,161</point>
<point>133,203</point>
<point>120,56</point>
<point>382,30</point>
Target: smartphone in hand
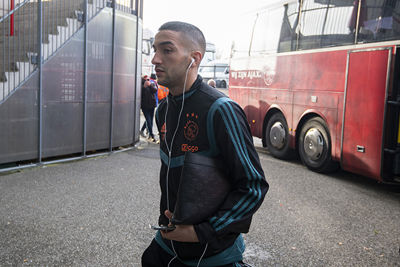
<point>162,227</point>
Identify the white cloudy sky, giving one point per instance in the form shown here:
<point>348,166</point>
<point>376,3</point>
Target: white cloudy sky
<point>213,17</point>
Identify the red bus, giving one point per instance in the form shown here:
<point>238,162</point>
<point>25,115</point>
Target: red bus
<point>321,78</point>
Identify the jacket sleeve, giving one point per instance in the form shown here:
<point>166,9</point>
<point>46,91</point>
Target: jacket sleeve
<point>231,137</point>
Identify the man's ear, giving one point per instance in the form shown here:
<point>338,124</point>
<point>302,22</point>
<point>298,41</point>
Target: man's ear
<point>197,56</point>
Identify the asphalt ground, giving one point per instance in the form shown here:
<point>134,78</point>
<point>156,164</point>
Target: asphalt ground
<point>311,219</point>
<point>91,212</point>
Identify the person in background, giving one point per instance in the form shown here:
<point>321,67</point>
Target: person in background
<point>196,118</point>
<point>162,92</point>
<point>144,126</point>
<point>211,83</point>
<point>153,80</point>
<point>148,105</point>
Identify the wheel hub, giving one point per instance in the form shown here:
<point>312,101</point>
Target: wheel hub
<point>313,144</point>
<point>277,135</point>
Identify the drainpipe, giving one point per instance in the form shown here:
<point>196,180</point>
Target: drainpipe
<point>12,18</point>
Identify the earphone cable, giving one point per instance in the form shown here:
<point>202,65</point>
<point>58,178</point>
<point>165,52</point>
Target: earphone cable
<point>172,260</point>
<point>204,252</point>
<point>169,148</point>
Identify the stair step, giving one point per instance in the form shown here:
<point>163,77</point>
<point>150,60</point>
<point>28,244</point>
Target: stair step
<point>62,28</point>
<point>13,79</point>
<point>20,55</point>
<point>32,22</point>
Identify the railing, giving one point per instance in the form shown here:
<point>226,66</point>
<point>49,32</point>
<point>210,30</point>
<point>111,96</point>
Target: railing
<point>7,5</point>
<point>9,45</point>
<point>127,6</point>
<point>19,33</point>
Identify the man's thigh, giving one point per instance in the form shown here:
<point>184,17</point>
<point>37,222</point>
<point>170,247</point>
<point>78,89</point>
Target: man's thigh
<point>155,256</point>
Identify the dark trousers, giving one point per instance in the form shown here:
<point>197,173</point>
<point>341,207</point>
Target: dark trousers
<point>155,256</point>
<point>148,115</point>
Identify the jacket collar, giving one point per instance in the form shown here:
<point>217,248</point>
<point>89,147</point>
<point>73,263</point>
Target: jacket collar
<point>196,85</point>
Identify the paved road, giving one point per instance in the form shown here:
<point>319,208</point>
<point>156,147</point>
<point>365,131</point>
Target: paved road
<point>96,212</point>
<point>310,219</point>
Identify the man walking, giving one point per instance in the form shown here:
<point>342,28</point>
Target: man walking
<point>196,118</point>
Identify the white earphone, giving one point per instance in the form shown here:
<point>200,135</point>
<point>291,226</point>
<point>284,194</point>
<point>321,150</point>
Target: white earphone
<point>191,63</point>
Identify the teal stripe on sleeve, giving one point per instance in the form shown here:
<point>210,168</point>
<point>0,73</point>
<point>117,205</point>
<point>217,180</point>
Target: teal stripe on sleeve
<point>253,169</point>
<point>211,136</point>
<point>236,143</point>
<point>246,153</point>
<point>239,210</point>
<point>210,124</point>
<point>239,215</point>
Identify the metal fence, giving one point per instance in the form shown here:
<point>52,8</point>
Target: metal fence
<point>19,33</point>
<point>31,34</point>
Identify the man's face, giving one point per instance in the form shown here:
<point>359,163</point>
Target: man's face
<point>171,59</point>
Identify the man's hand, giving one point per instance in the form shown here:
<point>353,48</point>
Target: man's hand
<point>182,233</point>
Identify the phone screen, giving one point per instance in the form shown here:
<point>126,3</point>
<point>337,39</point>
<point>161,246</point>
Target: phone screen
<point>162,227</point>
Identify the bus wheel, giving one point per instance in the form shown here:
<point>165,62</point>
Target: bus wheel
<point>277,136</point>
<point>223,84</point>
<point>315,146</point>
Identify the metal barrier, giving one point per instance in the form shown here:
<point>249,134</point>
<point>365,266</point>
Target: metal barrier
<point>60,19</point>
<point>31,32</point>
<point>126,6</point>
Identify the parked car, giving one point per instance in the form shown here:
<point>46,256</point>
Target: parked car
<point>217,70</point>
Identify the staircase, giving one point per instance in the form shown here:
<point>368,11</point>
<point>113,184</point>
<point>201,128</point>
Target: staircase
<point>61,19</point>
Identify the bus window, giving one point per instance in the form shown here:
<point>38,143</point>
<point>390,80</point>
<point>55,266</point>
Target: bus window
<point>323,25</point>
<point>243,26</point>
<point>378,21</point>
<point>288,36</point>
<point>266,34</point>
<point>209,55</point>
<point>146,47</point>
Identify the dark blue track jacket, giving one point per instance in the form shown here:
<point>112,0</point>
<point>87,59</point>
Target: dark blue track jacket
<point>214,125</point>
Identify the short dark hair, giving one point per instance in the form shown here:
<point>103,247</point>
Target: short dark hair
<point>189,30</point>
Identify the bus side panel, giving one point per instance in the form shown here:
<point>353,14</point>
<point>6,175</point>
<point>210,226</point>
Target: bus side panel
<point>364,112</point>
<point>321,71</point>
<point>318,81</point>
<point>255,87</point>
<point>281,99</point>
<point>324,105</point>
<point>256,103</point>
<point>252,109</point>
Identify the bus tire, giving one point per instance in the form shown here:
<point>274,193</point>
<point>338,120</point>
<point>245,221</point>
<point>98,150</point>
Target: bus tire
<point>315,146</point>
<point>277,137</point>
<point>223,84</point>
